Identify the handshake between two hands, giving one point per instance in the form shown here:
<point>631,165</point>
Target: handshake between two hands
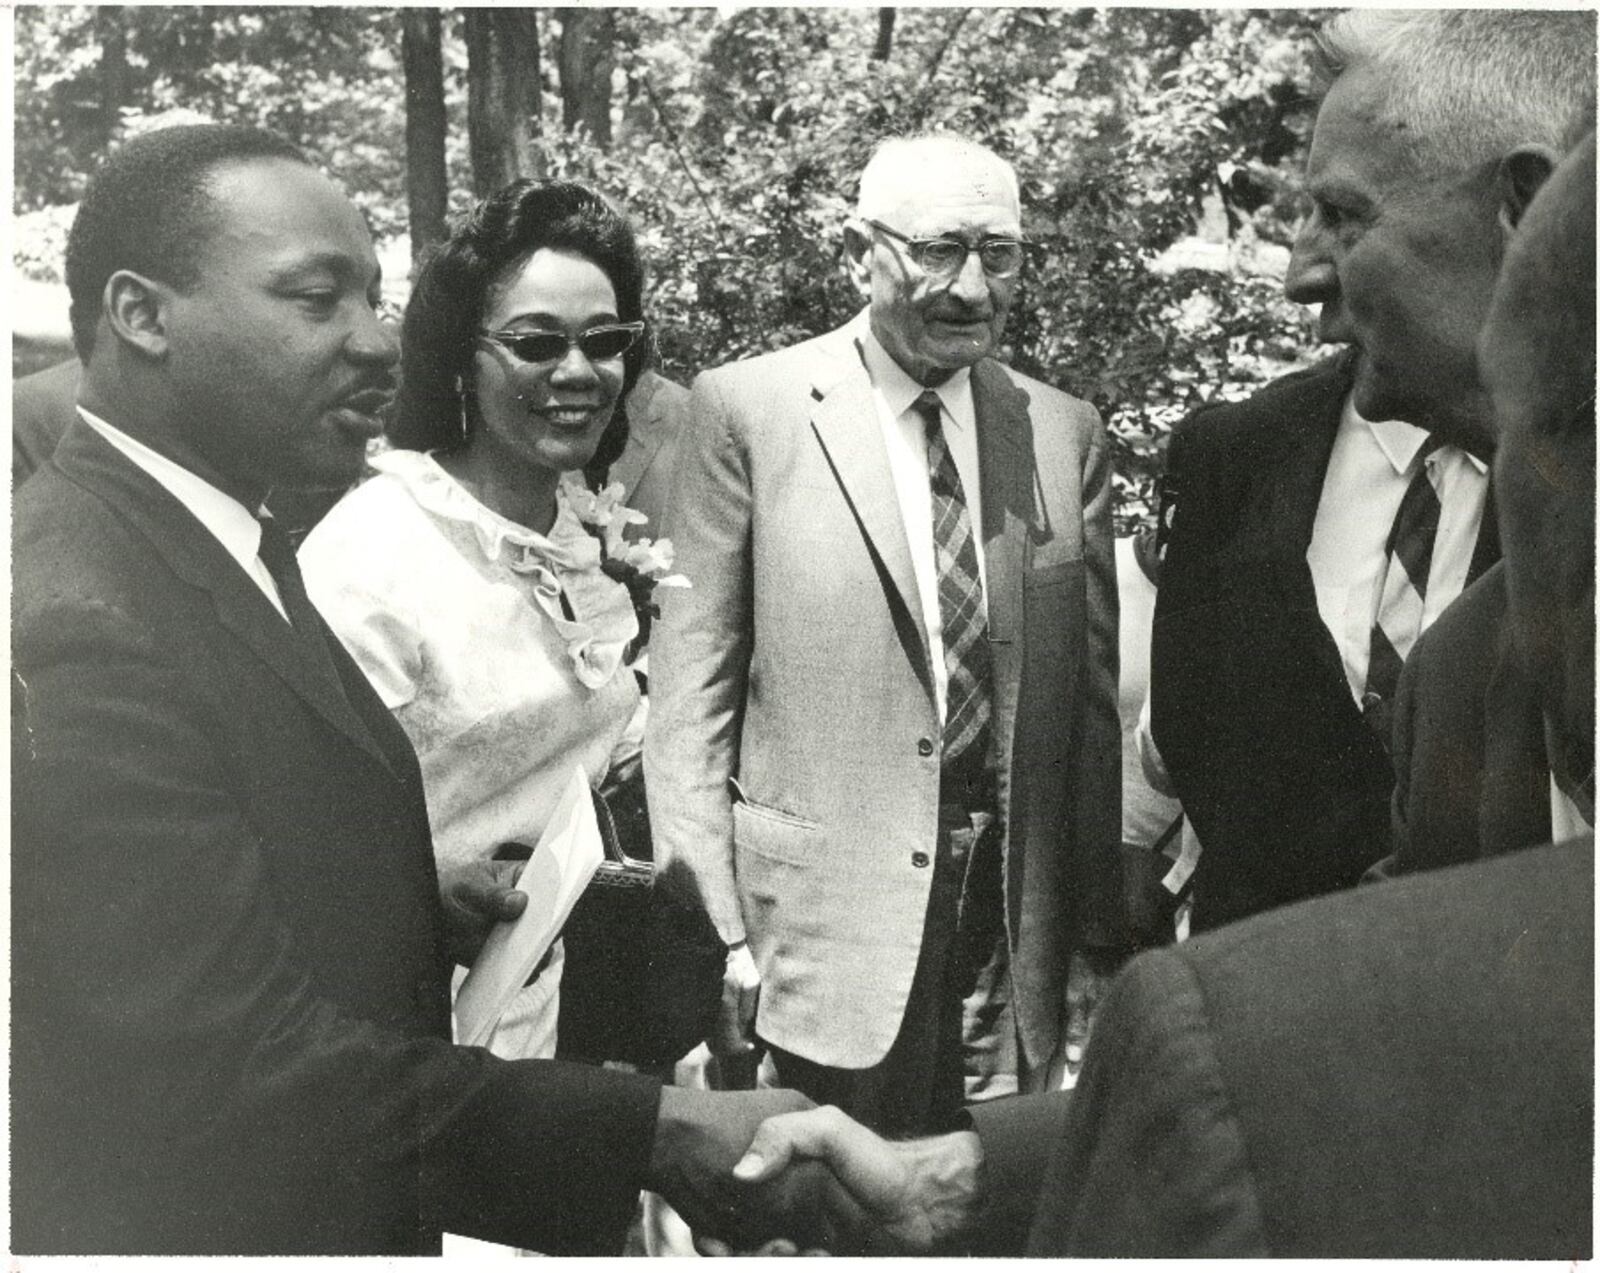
<point>764,1173</point>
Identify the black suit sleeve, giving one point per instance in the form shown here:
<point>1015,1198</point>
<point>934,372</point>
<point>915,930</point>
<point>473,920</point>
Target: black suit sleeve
<point>1018,1135</point>
<point>1187,491</point>
<point>158,987</point>
<point>1398,862</point>
<point>1150,1160</point>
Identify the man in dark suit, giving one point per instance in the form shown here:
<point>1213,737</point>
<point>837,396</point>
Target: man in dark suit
<point>1318,528</point>
<point>230,973</point>
<point>1400,1071</point>
<point>1481,766</point>
<point>1472,779</point>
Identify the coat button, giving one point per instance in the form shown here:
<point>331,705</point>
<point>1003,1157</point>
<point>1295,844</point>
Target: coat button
<point>919,859</point>
<point>924,746</point>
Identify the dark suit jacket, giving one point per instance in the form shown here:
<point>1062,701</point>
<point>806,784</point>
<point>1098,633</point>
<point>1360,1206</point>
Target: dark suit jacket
<point>45,404</point>
<point>42,406</point>
<point>1287,787</point>
<point>1471,775</point>
<point>1405,1071</point>
<point>230,1015</point>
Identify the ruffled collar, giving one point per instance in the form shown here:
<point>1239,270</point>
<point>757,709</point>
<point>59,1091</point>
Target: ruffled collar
<point>565,561</point>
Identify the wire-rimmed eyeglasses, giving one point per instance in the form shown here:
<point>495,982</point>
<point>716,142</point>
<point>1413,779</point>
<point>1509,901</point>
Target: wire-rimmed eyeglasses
<point>946,257</point>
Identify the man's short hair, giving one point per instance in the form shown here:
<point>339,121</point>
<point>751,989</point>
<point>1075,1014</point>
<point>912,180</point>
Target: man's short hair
<point>149,208</point>
<point>880,178</point>
<point>1468,85</point>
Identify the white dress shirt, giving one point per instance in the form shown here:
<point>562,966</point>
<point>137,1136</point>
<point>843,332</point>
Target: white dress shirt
<point>1368,472</point>
<point>905,438</point>
<point>1566,818</point>
<point>230,522</point>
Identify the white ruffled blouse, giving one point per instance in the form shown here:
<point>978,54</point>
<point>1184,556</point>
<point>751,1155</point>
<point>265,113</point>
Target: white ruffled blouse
<point>455,615</point>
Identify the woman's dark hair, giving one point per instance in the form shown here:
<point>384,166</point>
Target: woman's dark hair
<point>446,307</point>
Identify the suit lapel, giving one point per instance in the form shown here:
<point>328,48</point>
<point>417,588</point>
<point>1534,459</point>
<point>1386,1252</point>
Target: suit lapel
<point>1005,477</point>
<point>1487,550</point>
<point>1010,509</point>
<point>644,440</point>
<point>195,556</point>
<point>845,420</point>
<point>1296,484</point>
<point>1296,476</point>
<point>243,610</point>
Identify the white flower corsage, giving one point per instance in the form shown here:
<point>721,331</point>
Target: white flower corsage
<point>639,565</point>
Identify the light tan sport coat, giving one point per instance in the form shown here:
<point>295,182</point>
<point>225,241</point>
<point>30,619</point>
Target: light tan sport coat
<point>793,749</point>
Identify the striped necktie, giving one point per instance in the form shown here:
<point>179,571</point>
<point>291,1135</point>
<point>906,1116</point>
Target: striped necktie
<point>1408,557</point>
<point>961,609</point>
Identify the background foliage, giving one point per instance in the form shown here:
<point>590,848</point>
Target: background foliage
<point>1157,150</point>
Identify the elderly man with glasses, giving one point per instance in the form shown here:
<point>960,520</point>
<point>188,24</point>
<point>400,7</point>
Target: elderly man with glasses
<point>884,736</point>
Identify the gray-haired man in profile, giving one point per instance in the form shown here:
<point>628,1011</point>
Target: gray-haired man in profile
<point>1319,527</point>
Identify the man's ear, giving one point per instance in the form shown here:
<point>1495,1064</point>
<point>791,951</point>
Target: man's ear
<point>136,308</point>
<point>1522,172</point>
<point>857,247</point>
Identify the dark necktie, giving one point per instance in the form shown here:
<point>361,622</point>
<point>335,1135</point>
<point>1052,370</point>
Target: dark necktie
<point>1408,558</point>
<point>277,555</point>
<point>961,610</point>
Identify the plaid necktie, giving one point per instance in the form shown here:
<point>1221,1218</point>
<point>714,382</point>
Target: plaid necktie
<point>1398,621</point>
<point>961,609</point>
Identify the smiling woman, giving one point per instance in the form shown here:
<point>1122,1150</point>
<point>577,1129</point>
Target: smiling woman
<point>460,577</point>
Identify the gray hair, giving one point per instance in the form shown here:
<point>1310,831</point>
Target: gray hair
<point>882,178</point>
<point>1468,85</point>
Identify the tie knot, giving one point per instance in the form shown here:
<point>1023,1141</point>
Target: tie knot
<point>1429,450</point>
<point>276,553</point>
<point>927,406</point>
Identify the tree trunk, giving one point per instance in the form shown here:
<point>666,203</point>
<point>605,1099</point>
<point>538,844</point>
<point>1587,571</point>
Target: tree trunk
<point>502,96</point>
<point>587,58</point>
<point>885,44</point>
<point>427,186</point>
<point>111,28</point>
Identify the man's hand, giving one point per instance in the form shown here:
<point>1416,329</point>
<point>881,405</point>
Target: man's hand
<point>699,1137</point>
<point>734,1032</point>
<point>476,896</point>
<point>907,1197</point>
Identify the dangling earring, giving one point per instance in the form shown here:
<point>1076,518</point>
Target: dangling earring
<point>461,409</point>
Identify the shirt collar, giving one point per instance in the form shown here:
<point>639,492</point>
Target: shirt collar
<point>1577,793</point>
<point>234,526</point>
<point>1400,441</point>
<point>899,390</point>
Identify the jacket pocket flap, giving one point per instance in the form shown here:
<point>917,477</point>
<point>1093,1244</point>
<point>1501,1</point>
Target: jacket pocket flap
<point>771,833</point>
<point>1052,576</point>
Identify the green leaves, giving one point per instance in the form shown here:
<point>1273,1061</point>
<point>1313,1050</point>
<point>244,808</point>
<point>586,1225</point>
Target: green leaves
<point>738,137</point>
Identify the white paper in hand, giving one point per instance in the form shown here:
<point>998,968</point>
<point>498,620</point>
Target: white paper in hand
<point>563,862</point>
